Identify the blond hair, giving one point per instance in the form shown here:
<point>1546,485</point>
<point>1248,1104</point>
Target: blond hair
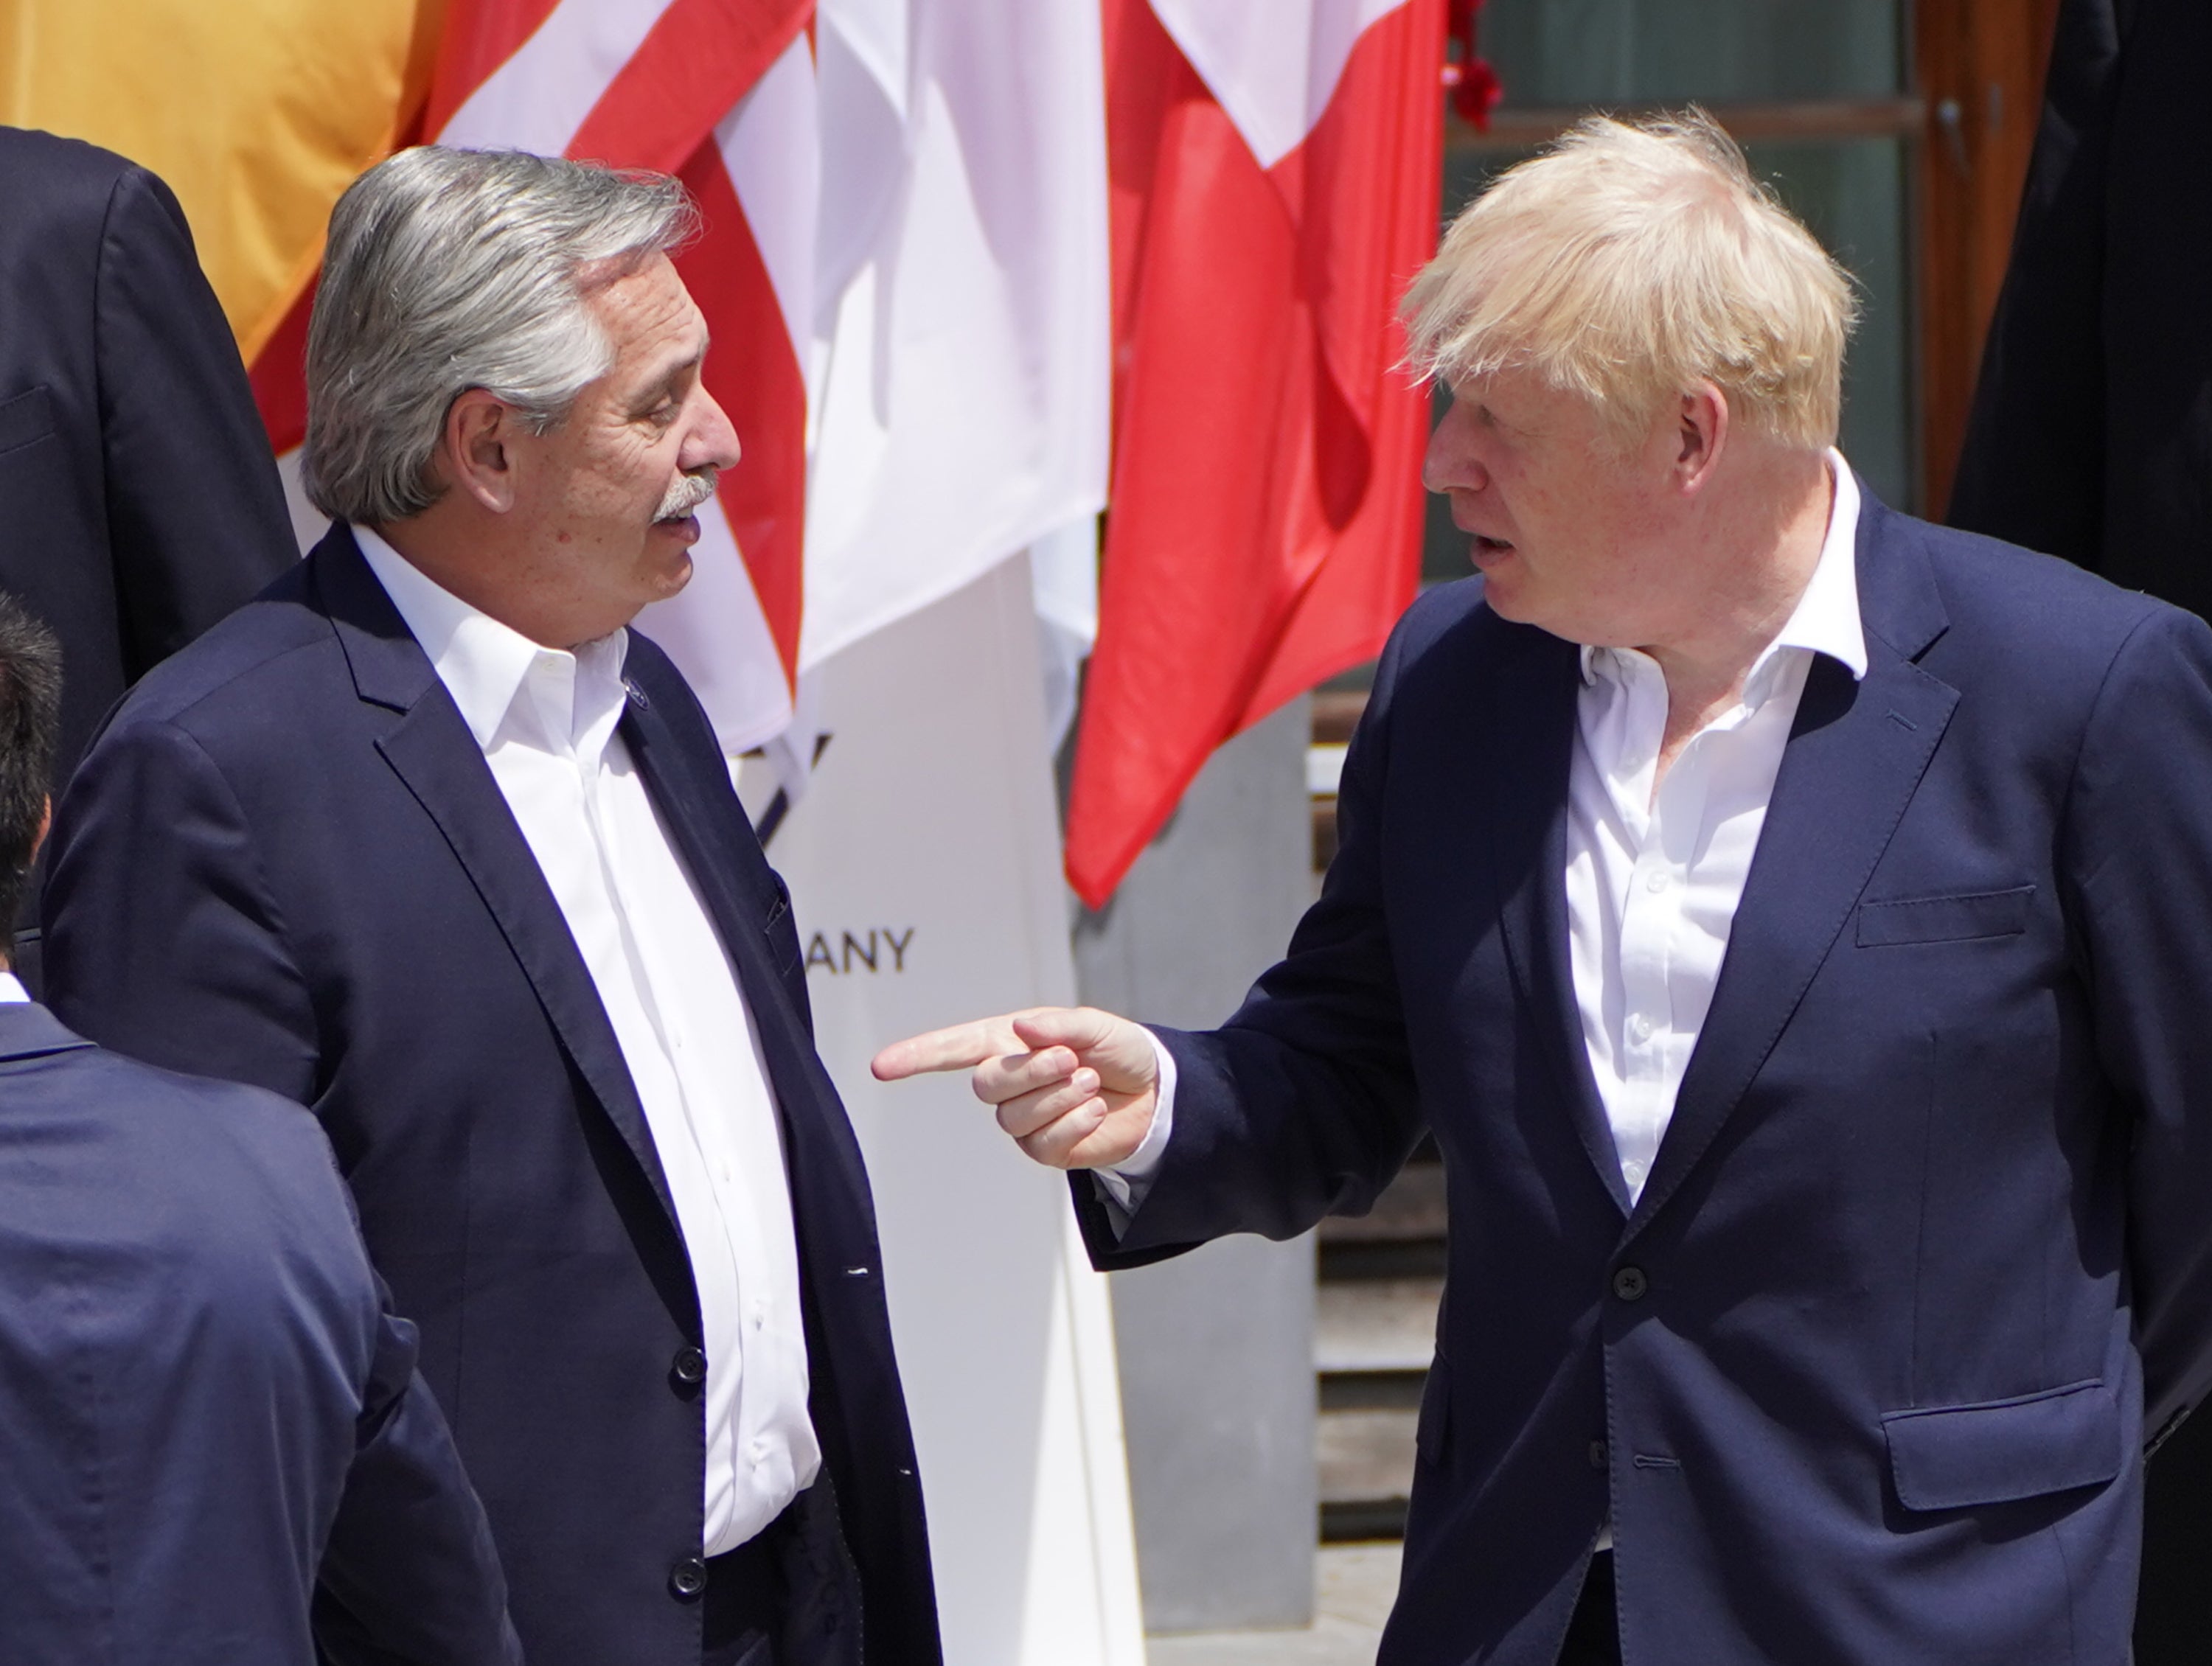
<point>1630,262</point>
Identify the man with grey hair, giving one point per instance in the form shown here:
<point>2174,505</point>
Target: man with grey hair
<point>427,840</point>
<point>1793,922</point>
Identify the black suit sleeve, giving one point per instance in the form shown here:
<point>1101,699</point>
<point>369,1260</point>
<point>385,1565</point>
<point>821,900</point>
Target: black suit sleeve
<point>2033,468</point>
<point>154,867</point>
<point>1303,1103</point>
<point>410,1576</point>
<point>2137,863</point>
<point>196,515</point>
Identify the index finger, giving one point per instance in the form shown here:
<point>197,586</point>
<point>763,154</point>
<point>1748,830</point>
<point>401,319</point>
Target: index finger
<point>959,1047</point>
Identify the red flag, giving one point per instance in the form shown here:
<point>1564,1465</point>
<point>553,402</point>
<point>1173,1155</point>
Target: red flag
<point>1263,531</point>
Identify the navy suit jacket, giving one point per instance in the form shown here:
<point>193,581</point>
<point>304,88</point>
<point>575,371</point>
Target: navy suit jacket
<point>286,862</point>
<point>202,1399</point>
<point>1863,1374</point>
<point>2091,433</point>
<point>2091,438</point>
<point>138,499</point>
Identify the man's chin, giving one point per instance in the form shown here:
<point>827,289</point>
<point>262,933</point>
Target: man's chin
<point>673,576</point>
<point>1504,597</point>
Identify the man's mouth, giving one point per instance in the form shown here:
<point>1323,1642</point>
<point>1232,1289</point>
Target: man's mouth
<point>1488,546</point>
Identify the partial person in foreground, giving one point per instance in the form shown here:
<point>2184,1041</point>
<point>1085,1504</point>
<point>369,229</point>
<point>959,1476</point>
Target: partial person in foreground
<point>138,499</point>
<point>426,838</point>
<point>1792,920</point>
<point>208,1425</point>
<point>2091,438</point>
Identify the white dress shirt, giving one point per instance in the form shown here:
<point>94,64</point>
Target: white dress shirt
<point>1653,881</point>
<point>546,722</point>
<point>11,991</point>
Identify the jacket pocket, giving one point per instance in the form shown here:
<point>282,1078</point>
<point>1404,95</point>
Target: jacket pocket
<point>1945,919</point>
<point>25,419</point>
<point>1955,1458</point>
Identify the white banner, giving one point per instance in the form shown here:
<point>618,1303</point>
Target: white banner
<point>924,867</point>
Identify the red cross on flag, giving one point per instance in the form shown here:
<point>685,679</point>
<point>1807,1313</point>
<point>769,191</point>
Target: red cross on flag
<point>1274,176</point>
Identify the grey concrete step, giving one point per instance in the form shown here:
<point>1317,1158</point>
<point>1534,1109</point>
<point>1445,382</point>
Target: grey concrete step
<point>1376,1324</point>
<point>1355,1586</point>
<point>1373,1340</point>
<point>1364,1458</point>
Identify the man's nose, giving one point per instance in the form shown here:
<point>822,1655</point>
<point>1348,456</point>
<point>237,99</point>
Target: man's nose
<point>712,442</point>
<point>1450,464</point>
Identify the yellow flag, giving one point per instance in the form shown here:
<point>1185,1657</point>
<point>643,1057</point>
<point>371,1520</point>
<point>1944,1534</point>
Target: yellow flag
<point>257,113</point>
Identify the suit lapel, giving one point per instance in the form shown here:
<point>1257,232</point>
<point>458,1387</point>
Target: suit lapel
<point>703,825</point>
<point>1856,756</point>
<point>1528,828</point>
<point>430,748</point>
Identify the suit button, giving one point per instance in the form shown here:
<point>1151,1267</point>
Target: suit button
<point>1597,1454</point>
<point>689,1366</point>
<point>1630,1284</point>
<point>688,1579</point>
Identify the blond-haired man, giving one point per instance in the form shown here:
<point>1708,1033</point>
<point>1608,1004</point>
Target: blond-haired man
<point>1791,921</point>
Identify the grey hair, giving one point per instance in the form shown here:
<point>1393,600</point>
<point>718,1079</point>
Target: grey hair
<point>452,269</point>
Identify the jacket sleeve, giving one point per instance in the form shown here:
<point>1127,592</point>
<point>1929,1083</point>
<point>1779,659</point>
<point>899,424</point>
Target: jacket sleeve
<point>409,1577</point>
<point>1302,1103</point>
<point>2137,869</point>
<point>2031,471</point>
<point>196,515</point>
<point>162,939</point>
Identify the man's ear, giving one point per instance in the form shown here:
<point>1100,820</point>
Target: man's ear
<point>475,450</point>
<point>1705,423</point>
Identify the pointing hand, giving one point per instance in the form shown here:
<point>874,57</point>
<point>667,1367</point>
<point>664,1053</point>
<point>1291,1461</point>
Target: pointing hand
<point>1075,1087</point>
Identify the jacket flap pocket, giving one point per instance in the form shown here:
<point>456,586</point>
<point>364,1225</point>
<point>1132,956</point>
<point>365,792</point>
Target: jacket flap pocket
<point>26,417</point>
<point>1955,1458</point>
<point>1945,919</point>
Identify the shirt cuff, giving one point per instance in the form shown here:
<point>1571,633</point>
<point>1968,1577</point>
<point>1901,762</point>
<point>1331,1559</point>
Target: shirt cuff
<point>1123,1186</point>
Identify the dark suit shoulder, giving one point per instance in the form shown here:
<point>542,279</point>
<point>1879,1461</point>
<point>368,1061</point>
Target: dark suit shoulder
<point>50,181</point>
<point>1455,610</point>
<point>250,653</point>
<point>203,1133</point>
<point>192,1183</point>
<point>2038,613</point>
<point>1450,645</point>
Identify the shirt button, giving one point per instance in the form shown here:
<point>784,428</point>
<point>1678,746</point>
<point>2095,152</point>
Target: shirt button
<point>1630,1284</point>
<point>1656,881</point>
<point>689,1365</point>
<point>687,1580</point>
<point>1632,1172</point>
<point>1639,1028</point>
<point>758,1451</point>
